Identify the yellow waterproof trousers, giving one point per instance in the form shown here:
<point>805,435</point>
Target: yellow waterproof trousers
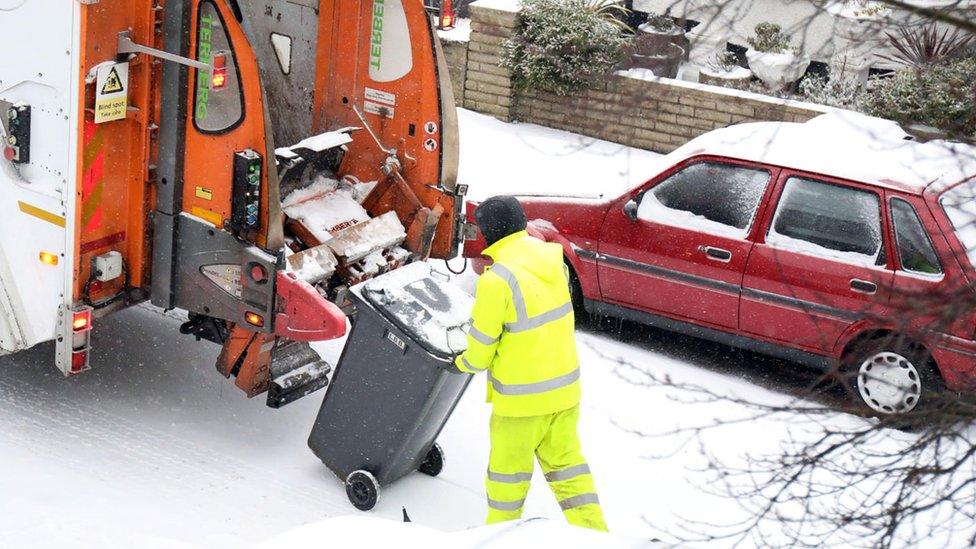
<point>553,440</point>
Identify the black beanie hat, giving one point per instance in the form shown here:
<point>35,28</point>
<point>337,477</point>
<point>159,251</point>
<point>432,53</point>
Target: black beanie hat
<point>498,217</point>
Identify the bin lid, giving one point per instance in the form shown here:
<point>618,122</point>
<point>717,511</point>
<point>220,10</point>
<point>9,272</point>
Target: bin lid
<point>432,311</point>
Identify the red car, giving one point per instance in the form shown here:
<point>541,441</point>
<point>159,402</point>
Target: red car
<point>836,242</point>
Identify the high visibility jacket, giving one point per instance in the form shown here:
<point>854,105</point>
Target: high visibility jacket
<point>522,329</point>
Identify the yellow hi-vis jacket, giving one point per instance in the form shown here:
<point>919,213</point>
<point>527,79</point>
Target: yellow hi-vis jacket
<point>522,329</point>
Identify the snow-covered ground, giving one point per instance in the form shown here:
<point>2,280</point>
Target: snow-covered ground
<point>153,448</point>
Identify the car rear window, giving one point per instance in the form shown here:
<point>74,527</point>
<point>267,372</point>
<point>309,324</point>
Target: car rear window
<point>959,204</point>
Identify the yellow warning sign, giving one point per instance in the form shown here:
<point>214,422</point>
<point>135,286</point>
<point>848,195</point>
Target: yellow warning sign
<point>111,99</point>
<point>112,82</point>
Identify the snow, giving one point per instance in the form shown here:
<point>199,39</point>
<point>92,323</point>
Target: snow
<point>387,533</point>
<point>526,159</point>
<point>842,144</point>
<point>735,73</point>
<point>434,309</point>
<point>460,33</point>
<point>153,448</point>
<point>500,5</point>
<point>324,207</point>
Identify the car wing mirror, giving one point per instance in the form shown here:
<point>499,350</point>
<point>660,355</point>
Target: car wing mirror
<point>630,209</point>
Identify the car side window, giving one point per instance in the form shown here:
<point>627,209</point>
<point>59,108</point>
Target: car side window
<point>915,251</point>
<point>219,102</point>
<point>828,220</point>
<point>707,196</point>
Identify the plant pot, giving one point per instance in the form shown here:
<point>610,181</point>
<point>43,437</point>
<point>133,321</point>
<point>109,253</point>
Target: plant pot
<point>776,70</point>
<point>649,41</point>
<point>661,64</point>
<point>735,78</point>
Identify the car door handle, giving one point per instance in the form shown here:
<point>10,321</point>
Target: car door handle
<point>863,286</point>
<point>717,254</point>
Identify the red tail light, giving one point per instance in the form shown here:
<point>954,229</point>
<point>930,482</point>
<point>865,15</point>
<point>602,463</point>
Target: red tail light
<point>446,19</point>
<point>79,361</point>
<point>218,78</point>
<point>81,321</point>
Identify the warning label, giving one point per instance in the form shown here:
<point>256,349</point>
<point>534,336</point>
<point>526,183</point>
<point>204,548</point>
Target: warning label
<point>111,98</point>
<point>379,102</point>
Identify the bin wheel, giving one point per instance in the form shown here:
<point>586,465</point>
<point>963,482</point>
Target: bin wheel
<point>433,462</point>
<point>362,489</point>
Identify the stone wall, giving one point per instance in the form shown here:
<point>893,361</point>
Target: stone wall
<point>631,108</point>
<point>456,55</point>
<point>652,113</point>
<point>488,87</point>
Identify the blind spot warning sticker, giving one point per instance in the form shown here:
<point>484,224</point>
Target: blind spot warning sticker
<point>430,145</point>
<point>111,98</point>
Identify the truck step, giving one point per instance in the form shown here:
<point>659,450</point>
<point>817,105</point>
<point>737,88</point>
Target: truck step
<point>296,371</point>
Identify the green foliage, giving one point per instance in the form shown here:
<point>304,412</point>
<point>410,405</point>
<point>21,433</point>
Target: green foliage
<point>840,91</point>
<point>723,61</point>
<point>769,38</point>
<point>941,95</point>
<point>564,45</point>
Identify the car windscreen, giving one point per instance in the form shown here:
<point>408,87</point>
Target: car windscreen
<point>959,204</point>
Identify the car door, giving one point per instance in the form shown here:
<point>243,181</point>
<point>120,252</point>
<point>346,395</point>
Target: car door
<point>678,245</point>
<point>819,266</point>
<point>926,271</point>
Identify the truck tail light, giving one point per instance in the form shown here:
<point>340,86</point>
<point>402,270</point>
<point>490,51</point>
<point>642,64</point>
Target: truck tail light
<point>79,361</point>
<point>218,78</point>
<point>446,19</point>
<point>48,258</point>
<point>81,321</point>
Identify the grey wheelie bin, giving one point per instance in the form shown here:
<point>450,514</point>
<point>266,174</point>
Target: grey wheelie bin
<point>393,389</point>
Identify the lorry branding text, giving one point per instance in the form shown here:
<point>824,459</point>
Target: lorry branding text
<point>203,55</point>
<point>376,40</point>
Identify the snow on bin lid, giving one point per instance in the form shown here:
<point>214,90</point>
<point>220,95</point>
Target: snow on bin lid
<point>435,312</point>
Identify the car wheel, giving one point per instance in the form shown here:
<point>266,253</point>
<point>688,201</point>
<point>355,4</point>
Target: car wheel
<point>576,295</point>
<point>890,377</point>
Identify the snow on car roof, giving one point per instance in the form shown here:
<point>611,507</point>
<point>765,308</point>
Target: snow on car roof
<point>845,145</point>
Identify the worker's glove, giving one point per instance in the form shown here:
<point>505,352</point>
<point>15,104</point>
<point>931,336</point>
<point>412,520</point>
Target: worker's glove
<point>452,367</point>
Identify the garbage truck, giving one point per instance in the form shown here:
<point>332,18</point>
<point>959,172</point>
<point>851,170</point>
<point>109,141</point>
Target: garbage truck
<point>245,161</point>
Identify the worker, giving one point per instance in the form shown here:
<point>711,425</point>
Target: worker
<point>522,334</point>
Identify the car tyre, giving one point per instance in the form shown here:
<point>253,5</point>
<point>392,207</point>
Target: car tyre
<point>576,296</point>
<point>889,376</point>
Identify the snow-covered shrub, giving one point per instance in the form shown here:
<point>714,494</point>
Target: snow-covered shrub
<point>661,22</point>
<point>769,38</point>
<point>942,95</point>
<point>842,91</point>
<point>723,61</point>
<point>563,45</point>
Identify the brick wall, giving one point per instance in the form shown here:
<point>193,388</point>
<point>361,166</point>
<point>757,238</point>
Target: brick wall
<point>456,55</point>
<point>652,113</point>
<point>488,87</point>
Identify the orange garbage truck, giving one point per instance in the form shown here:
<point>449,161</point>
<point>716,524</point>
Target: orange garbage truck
<point>246,162</point>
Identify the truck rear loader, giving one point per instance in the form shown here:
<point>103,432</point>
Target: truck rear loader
<point>244,161</point>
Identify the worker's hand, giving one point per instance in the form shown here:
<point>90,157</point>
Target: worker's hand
<point>452,367</point>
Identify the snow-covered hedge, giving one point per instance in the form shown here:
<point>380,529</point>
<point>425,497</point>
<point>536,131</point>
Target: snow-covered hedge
<point>562,45</point>
<point>942,95</point>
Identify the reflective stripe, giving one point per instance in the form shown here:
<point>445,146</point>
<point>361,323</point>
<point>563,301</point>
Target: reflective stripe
<point>533,388</point>
<point>482,337</point>
<point>577,501</point>
<point>568,473</point>
<point>506,505</point>
<point>510,478</point>
<point>523,321</point>
<point>468,365</point>
<point>539,320</point>
<point>517,299</point>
